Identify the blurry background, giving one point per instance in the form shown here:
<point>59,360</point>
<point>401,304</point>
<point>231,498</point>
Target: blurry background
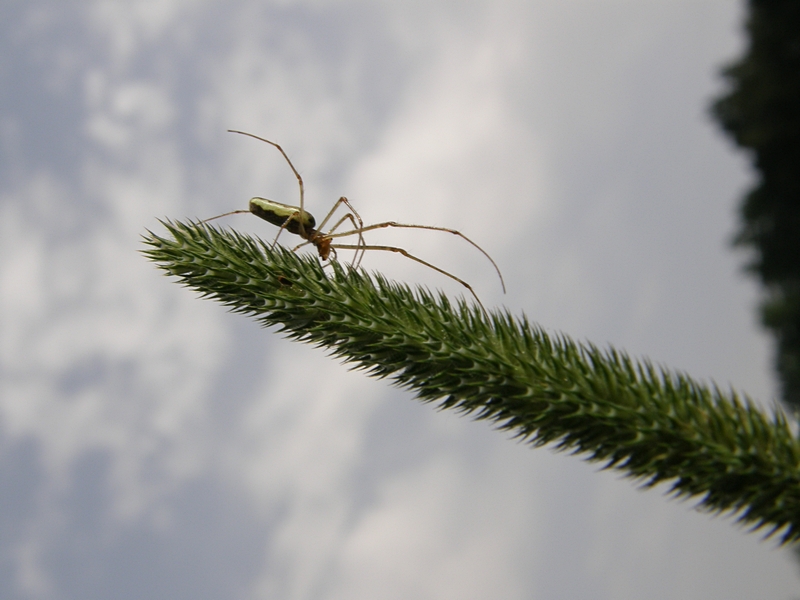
<point>154,446</point>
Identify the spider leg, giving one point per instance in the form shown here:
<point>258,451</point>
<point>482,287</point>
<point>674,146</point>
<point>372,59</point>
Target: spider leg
<point>353,216</point>
<point>283,227</point>
<point>296,174</point>
<point>360,227</point>
<point>296,248</point>
<point>233,212</point>
<point>432,228</point>
<point>357,257</point>
<point>422,262</point>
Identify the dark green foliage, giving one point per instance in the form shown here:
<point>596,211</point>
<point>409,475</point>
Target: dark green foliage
<point>761,111</point>
<point>650,423</point>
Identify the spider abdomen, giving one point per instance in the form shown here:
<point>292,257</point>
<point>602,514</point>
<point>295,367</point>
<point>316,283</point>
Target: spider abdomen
<point>278,213</point>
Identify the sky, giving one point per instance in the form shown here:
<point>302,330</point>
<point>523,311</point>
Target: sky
<point>152,445</point>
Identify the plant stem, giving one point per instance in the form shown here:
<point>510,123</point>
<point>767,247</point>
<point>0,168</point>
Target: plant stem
<point>652,424</point>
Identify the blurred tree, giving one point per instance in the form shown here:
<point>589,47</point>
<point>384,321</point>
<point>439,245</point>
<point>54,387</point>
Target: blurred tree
<point>761,112</point>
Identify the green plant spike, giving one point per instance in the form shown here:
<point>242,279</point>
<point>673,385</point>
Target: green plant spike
<point>649,423</point>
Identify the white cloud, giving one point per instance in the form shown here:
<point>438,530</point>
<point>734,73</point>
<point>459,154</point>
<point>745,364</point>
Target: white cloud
<point>412,541</point>
<point>130,28</point>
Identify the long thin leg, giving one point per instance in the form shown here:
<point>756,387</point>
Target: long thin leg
<point>357,258</point>
<point>360,227</point>
<point>327,218</point>
<point>352,215</point>
<point>419,260</point>
<point>296,174</point>
<point>361,230</point>
<point>283,228</point>
<point>348,216</point>
<point>233,212</point>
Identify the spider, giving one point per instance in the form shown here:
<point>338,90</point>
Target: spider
<point>296,220</point>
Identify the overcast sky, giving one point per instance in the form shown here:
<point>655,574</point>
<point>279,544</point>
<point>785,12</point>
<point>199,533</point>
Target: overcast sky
<point>154,446</point>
